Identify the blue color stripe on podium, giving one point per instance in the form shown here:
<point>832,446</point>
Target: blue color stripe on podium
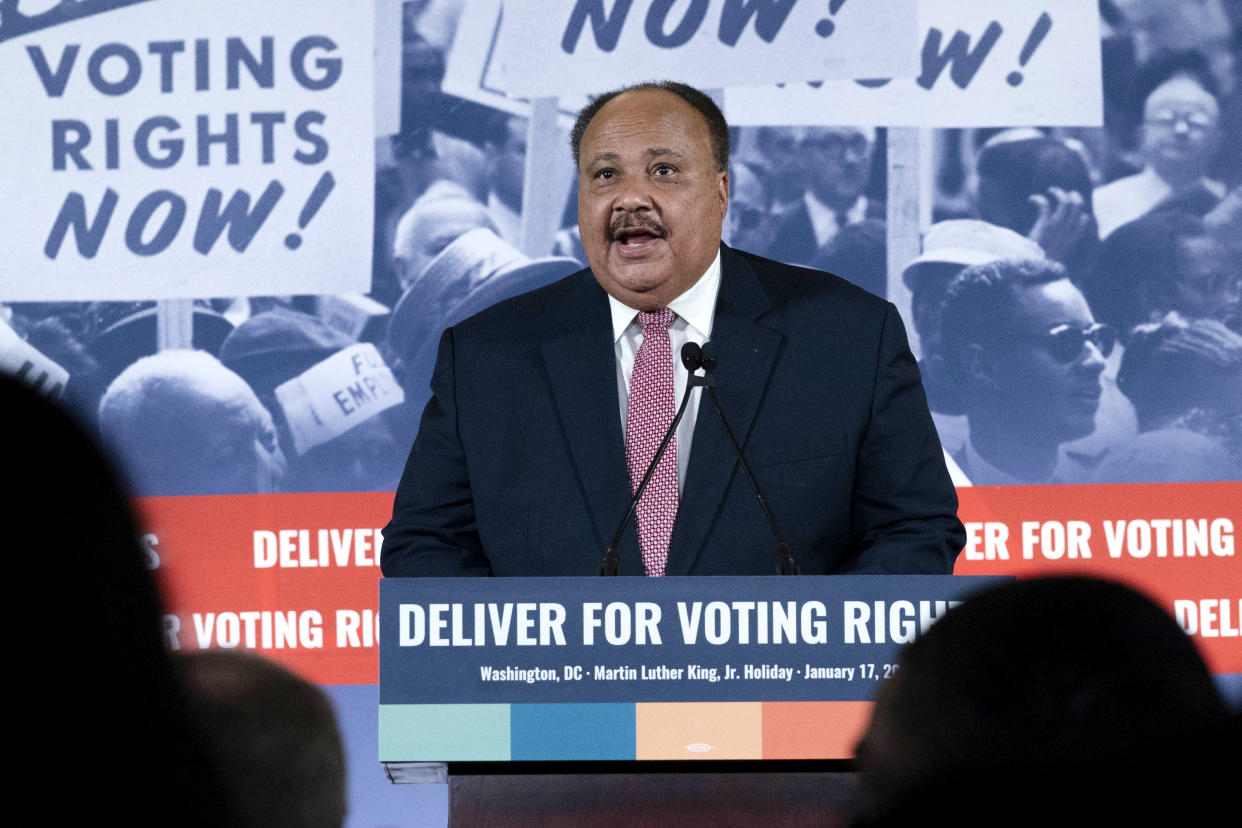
<point>571,731</point>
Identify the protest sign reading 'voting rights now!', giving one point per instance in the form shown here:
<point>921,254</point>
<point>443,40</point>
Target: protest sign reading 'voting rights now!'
<point>175,149</point>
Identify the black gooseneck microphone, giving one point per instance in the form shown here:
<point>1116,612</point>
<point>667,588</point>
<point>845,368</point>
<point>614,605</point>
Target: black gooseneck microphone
<point>692,358</point>
<point>785,564</point>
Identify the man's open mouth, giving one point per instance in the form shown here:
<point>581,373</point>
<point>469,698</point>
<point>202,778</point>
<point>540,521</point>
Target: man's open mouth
<point>636,236</point>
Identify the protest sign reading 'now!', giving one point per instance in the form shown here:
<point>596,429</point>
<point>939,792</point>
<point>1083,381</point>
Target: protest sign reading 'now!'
<point>980,63</point>
<point>569,47</point>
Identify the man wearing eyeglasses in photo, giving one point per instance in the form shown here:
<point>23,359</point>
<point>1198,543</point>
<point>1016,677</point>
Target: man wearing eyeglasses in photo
<point>1024,355</point>
<point>1178,140</point>
<point>836,162</point>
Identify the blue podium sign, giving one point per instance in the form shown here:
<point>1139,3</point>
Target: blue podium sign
<point>465,661</point>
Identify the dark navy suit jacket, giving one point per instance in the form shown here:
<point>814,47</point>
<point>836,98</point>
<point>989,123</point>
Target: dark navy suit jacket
<point>519,464</point>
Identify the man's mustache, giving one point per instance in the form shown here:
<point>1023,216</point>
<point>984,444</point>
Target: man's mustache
<point>631,223</point>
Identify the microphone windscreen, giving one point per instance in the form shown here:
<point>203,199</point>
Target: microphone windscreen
<point>708,355</point>
<point>691,356</point>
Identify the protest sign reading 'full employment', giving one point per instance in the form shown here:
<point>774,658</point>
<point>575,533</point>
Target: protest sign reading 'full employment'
<point>332,397</point>
<point>174,149</point>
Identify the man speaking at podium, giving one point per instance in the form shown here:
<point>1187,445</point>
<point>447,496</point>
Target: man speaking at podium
<point>547,409</point>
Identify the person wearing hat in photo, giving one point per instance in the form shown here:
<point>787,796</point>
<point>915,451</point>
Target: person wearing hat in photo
<point>1022,359</point>
<point>442,214</point>
<point>475,271</point>
<point>949,247</point>
<point>276,347</point>
<point>119,333</point>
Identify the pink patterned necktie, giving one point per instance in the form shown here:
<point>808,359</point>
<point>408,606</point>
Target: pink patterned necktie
<point>648,416</point>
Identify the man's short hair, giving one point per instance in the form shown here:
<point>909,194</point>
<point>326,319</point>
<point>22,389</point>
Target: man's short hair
<point>1139,267</point>
<point>979,307</point>
<point>157,413</point>
<point>717,127</point>
<point>147,400</point>
<point>1026,168</point>
<point>1161,69</point>
<point>980,302</point>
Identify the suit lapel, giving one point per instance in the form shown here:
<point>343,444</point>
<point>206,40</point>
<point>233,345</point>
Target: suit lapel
<point>582,372</point>
<point>746,355</point>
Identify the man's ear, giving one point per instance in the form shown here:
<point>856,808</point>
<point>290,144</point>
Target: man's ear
<point>1150,297</point>
<point>722,184</point>
<point>982,366</point>
<point>401,271</point>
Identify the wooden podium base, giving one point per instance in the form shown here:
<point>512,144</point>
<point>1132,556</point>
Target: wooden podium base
<point>742,796</point>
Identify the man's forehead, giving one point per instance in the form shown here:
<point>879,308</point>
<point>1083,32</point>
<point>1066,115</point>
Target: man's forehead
<point>1043,305</point>
<point>656,111</point>
<point>654,151</point>
<point>1182,91</point>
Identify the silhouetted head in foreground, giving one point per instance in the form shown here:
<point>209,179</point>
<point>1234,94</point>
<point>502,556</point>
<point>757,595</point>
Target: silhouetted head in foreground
<point>102,732</point>
<point>275,736</point>
<point>1048,701</point>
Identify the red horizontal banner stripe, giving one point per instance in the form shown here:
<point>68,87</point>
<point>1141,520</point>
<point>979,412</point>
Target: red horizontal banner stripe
<point>294,576</point>
<point>1176,542</point>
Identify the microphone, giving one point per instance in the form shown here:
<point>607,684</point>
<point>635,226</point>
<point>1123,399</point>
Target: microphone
<point>785,564</point>
<point>692,359</point>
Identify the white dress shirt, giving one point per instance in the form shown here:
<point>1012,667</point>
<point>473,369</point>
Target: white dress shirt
<point>695,311</point>
<point>979,472</point>
<point>1126,199</point>
<point>824,219</point>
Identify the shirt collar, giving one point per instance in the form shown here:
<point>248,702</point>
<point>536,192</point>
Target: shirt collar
<point>825,221</point>
<point>697,306</point>
<point>982,473</point>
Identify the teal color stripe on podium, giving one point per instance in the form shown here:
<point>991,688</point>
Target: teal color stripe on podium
<point>572,731</point>
<point>444,732</point>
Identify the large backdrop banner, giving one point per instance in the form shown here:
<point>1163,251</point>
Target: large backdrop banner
<point>234,233</point>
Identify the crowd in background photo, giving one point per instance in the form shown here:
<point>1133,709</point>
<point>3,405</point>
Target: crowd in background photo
<point>1076,302</point>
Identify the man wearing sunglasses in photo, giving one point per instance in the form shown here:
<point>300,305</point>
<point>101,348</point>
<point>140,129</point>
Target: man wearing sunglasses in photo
<point>1024,355</point>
